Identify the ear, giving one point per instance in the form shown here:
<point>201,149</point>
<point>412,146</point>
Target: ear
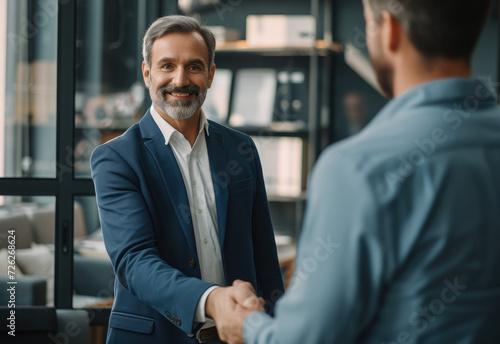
<point>145,74</point>
<point>211,76</point>
<point>391,31</point>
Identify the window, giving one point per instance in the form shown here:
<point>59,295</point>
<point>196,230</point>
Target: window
<point>65,89</point>
<point>36,139</point>
<point>28,103</point>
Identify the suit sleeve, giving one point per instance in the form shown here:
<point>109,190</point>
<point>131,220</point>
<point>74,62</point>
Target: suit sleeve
<point>131,244</point>
<point>269,277</point>
<point>339,267</point>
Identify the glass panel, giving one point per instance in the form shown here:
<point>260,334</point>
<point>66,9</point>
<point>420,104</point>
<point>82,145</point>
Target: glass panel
<point>93,274</point>
<point>27,250</point>
<point>28,37</point>
<point>110,92</point>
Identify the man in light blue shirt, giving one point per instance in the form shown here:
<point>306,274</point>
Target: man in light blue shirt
<point>401,240</point>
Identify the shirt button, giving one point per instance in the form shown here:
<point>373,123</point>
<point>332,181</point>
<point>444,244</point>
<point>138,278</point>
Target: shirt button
<point>198,211</point>
<point>192,263</point>
<point>205,241</point>
<point>193,182</point>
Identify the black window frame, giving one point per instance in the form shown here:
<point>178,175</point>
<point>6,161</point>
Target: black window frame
<point>65,186</point>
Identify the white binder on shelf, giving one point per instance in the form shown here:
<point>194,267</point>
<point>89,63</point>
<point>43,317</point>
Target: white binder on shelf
<point>216,105</point>
<point>254,97</point>
<point>281,159</point>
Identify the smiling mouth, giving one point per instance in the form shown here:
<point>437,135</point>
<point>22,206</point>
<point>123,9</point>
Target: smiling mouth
<point>180,95</point>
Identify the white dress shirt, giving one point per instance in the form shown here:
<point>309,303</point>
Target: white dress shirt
<point>195,169</point>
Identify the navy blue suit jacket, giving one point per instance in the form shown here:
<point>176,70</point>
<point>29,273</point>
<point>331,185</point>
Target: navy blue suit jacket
<point>148,231</point>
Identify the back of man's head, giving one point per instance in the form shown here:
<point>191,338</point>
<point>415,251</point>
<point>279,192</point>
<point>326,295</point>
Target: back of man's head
<point>438,28</point>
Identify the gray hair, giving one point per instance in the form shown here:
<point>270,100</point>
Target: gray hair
<point>176,24</point>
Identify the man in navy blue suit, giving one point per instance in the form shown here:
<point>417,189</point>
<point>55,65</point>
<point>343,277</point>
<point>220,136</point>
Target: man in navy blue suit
<point>182,204</point>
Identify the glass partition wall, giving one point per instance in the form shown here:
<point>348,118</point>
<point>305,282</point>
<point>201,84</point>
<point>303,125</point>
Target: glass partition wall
<point>37,159</point>
<point>28,103</point>
<point>70,79</point>
<point>31,167</point>
<point>28,122</point>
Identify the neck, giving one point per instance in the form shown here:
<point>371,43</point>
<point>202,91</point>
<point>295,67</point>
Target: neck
<point>412,71</point>
<point>189,128</point>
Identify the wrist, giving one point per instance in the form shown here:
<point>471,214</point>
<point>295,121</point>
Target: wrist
<point>212,301</point>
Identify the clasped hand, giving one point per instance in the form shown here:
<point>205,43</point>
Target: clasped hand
<point>229,306</point>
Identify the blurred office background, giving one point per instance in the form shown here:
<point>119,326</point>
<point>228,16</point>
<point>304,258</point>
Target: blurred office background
<point>70,79</point>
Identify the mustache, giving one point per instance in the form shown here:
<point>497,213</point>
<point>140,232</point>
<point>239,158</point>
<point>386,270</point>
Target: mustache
<point>174,89</point>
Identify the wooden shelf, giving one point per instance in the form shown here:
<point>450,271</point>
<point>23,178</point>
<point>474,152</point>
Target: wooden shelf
<point>321,48</point>
<point>104,128</point>
<point>293,129</point>
<point>286,199</point>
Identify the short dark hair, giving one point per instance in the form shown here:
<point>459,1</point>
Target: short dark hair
<point>177,24</point>
<point>438,28</point>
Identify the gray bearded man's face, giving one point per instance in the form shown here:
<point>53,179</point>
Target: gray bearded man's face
<point>177,109</point>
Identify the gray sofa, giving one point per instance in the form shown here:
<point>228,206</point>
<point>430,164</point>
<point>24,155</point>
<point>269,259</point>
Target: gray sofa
<point>34,237</point>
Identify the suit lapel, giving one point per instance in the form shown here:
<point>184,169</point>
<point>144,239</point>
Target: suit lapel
<point>217,157</point>
<point>171,175</point>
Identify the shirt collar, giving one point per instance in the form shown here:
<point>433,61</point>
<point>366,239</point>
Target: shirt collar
<point>167,130</point>
<point>452,91</point>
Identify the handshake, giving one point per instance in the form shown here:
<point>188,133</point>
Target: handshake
<point>229,307</point>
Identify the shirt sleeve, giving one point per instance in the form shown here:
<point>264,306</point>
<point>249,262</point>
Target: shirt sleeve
<point>339,266</point>
<point>200,316</point>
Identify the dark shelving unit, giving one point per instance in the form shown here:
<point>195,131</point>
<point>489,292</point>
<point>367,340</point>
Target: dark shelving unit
<point>316,61</point>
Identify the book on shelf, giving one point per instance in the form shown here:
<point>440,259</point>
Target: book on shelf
<point>254,97</point>
<point>216,105</point>
<point>281,159</point>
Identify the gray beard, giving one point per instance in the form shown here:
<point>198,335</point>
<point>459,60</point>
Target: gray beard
<point>178,109</point>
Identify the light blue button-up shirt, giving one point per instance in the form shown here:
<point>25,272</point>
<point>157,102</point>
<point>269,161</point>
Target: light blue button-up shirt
<point>401,240</point>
